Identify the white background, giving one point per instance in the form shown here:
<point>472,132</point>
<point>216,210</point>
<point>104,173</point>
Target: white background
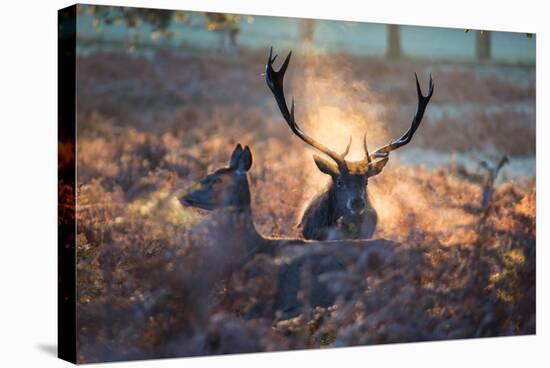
<point>28,181</point>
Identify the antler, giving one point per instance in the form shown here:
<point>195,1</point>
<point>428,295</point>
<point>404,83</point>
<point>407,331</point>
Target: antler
<point>407,136</point>
<point>274,81</point>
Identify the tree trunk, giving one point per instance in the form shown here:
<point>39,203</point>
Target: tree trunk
<point>394,42</point>
<point>307,29</point>
<point>483,45</point>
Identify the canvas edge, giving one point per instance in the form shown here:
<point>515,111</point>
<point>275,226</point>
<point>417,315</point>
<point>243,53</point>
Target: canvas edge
<point>66,105</point>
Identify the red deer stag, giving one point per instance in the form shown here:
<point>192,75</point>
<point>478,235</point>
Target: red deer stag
<point>343,210</point>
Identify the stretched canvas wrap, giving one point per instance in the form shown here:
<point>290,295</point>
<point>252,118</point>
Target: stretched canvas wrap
<point>371,184</point>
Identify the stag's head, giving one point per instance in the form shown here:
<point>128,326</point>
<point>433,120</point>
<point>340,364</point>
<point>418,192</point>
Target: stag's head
<point>349,178</point>
<point>225,187</point>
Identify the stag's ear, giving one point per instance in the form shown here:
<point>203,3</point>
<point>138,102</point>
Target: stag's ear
<point>326,166</point>
<point>376,167</point>
<point>245,161</point>
<point>235,156</point>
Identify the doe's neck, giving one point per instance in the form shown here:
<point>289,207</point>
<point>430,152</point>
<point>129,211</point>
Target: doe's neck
<point>238,222</point>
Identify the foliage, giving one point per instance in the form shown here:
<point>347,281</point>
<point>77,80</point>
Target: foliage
<point>145,270</point>
<point>159,19</point>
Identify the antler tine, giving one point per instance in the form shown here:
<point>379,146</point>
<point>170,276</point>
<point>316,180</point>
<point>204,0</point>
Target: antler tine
<point>367,155</point>
<point>418,89</point>
<point>274,80</point>
<point>407,136</point>
<point>346,151</point>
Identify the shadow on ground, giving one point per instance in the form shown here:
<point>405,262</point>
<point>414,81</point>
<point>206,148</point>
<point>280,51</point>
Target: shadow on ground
<point>50,349</point>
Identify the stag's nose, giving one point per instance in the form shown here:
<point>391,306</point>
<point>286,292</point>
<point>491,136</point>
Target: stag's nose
<point>356,205</point>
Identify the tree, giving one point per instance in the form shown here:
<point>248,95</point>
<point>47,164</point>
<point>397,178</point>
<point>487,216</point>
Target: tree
<point>306,29</point>
<point>160,21</point>
<point>394,42</point>
<point>228,26</point>
<point>483,45</point>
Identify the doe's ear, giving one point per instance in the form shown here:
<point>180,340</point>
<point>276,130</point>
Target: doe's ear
<point>326,166</point>
<point>376,167</point>
<point>235,157</point>
<point>245,161</point>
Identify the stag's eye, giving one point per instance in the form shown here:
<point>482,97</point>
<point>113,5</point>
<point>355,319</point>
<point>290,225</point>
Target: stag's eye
<point>216,181</point>
<point>338,182</point>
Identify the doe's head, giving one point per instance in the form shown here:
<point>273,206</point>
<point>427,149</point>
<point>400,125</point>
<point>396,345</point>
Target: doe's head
<point>225,187</point>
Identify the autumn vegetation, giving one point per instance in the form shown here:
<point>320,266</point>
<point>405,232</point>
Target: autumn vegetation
<point>150,127</point>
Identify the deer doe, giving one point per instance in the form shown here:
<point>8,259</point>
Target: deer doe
<point>343,210</point>
<point>227,189</point>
